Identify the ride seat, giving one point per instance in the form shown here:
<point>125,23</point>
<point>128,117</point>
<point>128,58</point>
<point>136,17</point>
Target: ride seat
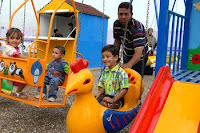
<point>63,86</point>
<point>135,90</point>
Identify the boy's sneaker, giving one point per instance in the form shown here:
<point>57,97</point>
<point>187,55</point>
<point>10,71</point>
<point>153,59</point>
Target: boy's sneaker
<point>51,99</point>
<point>38,95</point>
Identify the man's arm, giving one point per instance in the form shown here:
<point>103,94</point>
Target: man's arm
<point>118,43</point>
<point>135,59</point>
<point>116,34</point>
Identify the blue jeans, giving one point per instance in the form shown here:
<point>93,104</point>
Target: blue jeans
<point>53,86</point>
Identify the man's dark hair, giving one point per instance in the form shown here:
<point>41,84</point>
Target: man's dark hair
<point>70,24</point>
<point>126,5</point>
<point>112,49</point>
<point>55,30</point>
<point>61,48</point>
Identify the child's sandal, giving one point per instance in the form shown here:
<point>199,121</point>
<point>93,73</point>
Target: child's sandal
<point>13,94</point>
<point>19,95</point>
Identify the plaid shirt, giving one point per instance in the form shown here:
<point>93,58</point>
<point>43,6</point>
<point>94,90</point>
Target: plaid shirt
<point>135,36</point>
<point>113,80</point>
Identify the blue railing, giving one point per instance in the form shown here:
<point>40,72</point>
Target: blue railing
<point>176,40</point>
<point>173,32</point>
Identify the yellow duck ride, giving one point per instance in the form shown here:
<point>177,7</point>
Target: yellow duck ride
<point>86,115</point>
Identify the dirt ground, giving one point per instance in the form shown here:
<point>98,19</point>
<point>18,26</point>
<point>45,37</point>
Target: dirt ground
<point>16,117</point>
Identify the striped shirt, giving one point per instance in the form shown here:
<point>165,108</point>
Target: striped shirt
<point>135,36</point>
<point>113,80</point>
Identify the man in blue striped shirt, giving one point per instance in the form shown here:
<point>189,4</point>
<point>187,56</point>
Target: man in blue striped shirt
<point>130,33</point>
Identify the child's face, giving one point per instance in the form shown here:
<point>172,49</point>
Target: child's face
<point>57,54</point>
<point>14,39</point>
<point>109,60</point>
<point>69,27</point>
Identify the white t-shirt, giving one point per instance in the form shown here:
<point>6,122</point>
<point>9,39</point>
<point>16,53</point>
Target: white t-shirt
<point>9,50</point>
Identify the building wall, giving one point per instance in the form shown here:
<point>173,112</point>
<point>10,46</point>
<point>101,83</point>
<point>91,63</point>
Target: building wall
<point>91,38</point>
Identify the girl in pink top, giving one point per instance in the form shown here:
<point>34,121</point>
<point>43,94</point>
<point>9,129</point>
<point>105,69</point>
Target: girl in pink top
<point>14,38</point>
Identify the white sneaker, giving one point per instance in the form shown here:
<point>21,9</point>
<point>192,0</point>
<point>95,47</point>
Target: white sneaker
<point>38,95</point>
<point>51,99</point>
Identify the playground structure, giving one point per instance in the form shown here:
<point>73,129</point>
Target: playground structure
<point>33,70</point>
<point>172,106</point>
<point>90,38</point>
<point>152,60</point>
<point>162,82</point>
<point>181,34</point>
<point>32,65</point>
<point>55,12</point>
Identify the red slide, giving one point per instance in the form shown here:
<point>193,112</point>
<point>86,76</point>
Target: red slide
<point>152,107</point>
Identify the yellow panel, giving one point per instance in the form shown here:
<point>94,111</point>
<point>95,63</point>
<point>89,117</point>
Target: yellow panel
<point>19,70</point>
<point>54,3</point>
<point>181,113</point>
<point>198,6</point>
<point>31,100</point>
<point>68,50</point>
<point>35,72</point>
<point>11,66</point>
<point>151,60</point>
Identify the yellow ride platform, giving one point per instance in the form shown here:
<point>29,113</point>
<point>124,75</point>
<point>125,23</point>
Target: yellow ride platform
<point>152,60</point>
<point>32,70</point>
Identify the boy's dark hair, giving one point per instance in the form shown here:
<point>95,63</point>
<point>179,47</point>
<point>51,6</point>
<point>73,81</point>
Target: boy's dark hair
<point>61,48</point>
<point>112,49</point>
<point>126,5</point>
<point>14,30</point>
<point>55,30</point>
<point>70,24</point>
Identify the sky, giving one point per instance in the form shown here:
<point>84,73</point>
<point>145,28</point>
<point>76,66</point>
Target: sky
<point>110,9</point>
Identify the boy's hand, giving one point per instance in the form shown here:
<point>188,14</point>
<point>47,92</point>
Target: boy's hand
<point>108,100</point>
<point>100,91</point>
<point>97,95</point>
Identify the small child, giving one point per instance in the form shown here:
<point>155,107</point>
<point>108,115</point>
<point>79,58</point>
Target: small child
<point>14,37</point>
<point>57,33</point>
<point>113,83</point>
<point>56,74</point>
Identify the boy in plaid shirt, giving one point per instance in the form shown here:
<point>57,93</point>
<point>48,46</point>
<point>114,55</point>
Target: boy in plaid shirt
<point>113,83</point>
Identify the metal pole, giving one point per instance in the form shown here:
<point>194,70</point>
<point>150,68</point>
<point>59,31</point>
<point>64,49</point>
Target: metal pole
<point>156,11</point>
<point>188,9</point>
<point>163,28</point>
<point>10,11</point>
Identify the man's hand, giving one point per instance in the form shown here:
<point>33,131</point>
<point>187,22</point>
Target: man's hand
<point>126,65</point>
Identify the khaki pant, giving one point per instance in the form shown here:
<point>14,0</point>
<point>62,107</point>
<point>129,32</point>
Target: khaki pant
<point>116,105</point>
